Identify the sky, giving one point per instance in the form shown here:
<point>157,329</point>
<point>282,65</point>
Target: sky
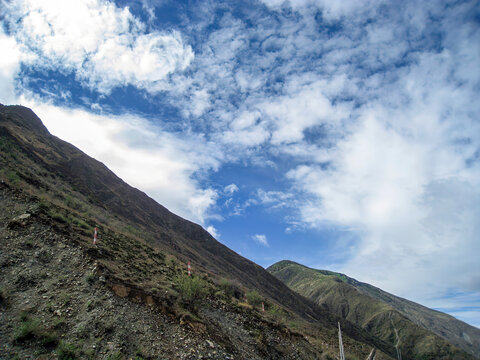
<point>340,135</point>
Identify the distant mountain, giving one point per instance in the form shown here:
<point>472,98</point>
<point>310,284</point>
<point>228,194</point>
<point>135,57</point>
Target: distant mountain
<point>380,313</point>
<point>55,281</point>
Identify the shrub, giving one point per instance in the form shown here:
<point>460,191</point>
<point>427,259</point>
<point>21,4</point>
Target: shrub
<point>43,205</point>
<point>66,351</point>
<point>191,288</point>
<point>254,298</point>
<point>58,217</point>
<point>31,329</point>
<point>13,177</point>
<point>227,287</point>
<point>27,328</point>
<point>90,278</point>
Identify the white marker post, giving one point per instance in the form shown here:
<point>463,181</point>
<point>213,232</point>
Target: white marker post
<point>189,269</point>
<point>95,236</point>
<point>263,308</point>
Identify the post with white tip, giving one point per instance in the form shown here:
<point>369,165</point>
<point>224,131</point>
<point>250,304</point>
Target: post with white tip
<point>95,236</point>
<point>189,269</point>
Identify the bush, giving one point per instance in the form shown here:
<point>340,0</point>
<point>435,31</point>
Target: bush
<point>30,329</point>
<point>13,177</point>
<point>90,278</point>
<point>58,217</point>
<point>227,287</point>
<point>27,328</point>
<point>254,298</point>
<point>191,288</point>
<point>66,351</point>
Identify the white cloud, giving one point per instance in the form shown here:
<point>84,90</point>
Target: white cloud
<point>275,199</point>
<point>399,179</point>
<point>261,239</point>
<point>230,189</point>
<point>213,231</point>
<point>103,45</point>
<point>303,107</point>
<point>9,67</point>
<point>331,9</point>
<point>144,156</point>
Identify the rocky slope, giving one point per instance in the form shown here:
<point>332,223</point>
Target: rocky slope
<point>59,298</point>
<point>129,295</point>
<point>421,330</point>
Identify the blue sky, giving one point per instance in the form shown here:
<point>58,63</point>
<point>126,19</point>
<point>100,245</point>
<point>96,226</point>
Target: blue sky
<point>342,135</point>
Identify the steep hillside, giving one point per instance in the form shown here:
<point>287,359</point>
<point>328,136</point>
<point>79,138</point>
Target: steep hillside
<point>60,293</point>
<point>382,314</point>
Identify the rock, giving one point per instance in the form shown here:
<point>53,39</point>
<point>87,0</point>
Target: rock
<point>19,221</point>
<point>210,344</point>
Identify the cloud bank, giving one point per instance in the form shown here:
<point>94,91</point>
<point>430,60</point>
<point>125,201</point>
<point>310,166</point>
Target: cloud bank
<point>103,45</point>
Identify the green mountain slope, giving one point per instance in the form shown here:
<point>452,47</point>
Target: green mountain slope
<point>52,196</point>
<point>421,330</point>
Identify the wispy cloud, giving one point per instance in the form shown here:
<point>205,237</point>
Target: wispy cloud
<point>261,239</point>
<point>230,189</point>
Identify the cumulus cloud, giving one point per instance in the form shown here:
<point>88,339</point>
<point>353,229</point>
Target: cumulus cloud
<point>404,176</point>
<point>261,239</point>
<point>103,45</point>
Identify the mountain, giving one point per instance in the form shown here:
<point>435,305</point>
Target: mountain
<point>129,295</point>
<point>382,314</point>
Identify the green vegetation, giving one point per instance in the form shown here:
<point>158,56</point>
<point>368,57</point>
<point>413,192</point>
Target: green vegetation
<point>70,219</point>
<point>116,356</point>
<point>31,329</point>
<point>90,278</point>
<point>66,351</point>
<point>191,288</point>
<point>227,287</point>
<point>12,177</point>
<point>254,298</point>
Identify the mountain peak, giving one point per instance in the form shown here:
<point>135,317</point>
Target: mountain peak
<point>23,117</point>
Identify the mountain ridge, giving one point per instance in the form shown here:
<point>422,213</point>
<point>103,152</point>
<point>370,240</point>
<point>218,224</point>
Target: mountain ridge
<point>143,252</point>
<point>326,287</point>
<point>73,192</point>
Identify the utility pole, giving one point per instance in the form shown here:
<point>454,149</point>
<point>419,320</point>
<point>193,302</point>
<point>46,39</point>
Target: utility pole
<point>340,343</point>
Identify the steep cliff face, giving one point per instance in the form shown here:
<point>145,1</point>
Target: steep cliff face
<point>421,330</point>
<point>131,289</point>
